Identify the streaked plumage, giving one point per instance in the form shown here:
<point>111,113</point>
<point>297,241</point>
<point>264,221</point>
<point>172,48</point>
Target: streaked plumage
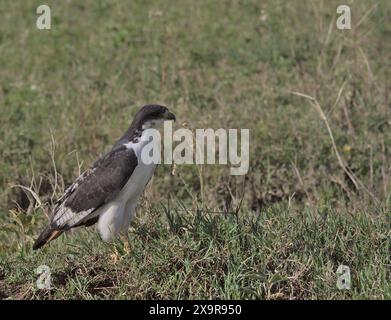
<point>108,191</point>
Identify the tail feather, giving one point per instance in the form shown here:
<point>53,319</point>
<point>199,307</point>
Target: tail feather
<point>46,236</point>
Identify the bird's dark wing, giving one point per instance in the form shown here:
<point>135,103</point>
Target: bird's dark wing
<point>95,187</point>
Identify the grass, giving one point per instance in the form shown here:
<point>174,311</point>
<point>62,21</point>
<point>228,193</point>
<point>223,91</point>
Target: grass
<point>318,191</point>
<point>279,254</point>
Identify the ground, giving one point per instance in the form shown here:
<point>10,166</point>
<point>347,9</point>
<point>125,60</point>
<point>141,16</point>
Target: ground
<point>315,99</point>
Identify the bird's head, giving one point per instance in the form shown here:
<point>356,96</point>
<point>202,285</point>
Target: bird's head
<point>149,116</point>
<point>152,116</point>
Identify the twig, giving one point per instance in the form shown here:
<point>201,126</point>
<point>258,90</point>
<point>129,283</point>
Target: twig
<point>304,188</point>
<point>337,100</point>
<point>366,15</point>
<point>36,197</point>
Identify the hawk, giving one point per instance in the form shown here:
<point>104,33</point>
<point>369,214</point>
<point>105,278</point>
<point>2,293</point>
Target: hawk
<point>108,191</point>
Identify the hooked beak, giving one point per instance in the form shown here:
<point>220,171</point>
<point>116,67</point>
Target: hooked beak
<point>169,116</point>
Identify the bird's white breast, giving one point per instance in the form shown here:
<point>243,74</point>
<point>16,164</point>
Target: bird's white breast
<point>116,215</point>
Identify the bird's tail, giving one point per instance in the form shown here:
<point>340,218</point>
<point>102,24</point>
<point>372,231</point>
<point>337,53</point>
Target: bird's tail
<point>46,236</point>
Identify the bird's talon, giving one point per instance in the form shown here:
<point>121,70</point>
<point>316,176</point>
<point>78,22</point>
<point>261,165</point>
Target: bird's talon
<point>114,257</point>
<point>126,245</point>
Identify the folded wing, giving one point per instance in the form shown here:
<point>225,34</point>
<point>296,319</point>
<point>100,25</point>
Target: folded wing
<point>95,187</point>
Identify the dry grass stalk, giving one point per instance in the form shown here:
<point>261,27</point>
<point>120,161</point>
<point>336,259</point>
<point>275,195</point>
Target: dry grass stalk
<point>358,184</point>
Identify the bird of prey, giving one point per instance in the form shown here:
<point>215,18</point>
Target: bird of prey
<point>108,191</point>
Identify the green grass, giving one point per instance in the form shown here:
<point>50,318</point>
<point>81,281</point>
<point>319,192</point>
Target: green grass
<point>68,93</point>
<point>279,254</point>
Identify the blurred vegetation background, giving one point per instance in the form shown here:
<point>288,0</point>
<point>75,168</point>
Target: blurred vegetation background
<point>281,231</point>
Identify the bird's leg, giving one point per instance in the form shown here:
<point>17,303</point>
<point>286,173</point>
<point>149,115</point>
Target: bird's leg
<point>114,255</point>
<point>117,256</point>
<point>126,243</point>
